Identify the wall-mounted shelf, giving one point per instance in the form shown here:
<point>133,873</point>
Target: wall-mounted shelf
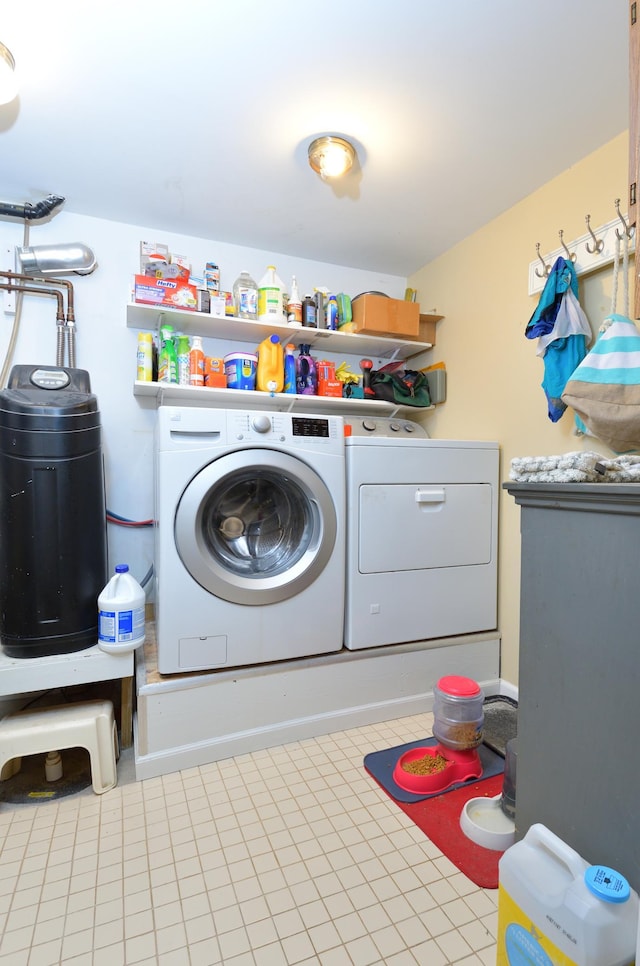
<point>168,394</point>
<point>148,317</point>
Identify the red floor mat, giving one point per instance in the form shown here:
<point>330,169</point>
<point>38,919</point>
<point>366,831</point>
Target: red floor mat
<point>439,819</point>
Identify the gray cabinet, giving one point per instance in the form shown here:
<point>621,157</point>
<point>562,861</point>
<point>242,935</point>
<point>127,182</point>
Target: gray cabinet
<point>579,687</point>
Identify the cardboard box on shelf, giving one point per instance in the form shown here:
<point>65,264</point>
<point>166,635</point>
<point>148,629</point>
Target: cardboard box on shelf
<point>378,315</point>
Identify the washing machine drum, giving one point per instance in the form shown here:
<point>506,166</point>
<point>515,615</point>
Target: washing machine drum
<point>255,527</point>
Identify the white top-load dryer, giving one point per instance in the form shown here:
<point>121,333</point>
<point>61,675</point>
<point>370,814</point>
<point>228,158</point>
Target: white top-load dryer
<point>421,534</point>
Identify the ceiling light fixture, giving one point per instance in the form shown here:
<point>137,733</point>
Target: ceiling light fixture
<point>331,156</point>
<point>8,84</point>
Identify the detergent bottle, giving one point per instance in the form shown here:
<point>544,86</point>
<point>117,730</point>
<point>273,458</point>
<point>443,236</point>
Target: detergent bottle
<point>306,373</point>
<point>289,368</point>
<point>168,362</point>
<point>270,371</point>
<point>183,360</point>
<point>270,301</point>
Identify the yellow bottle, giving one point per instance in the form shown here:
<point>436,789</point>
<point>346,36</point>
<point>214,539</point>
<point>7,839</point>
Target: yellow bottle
<point>270,371</point>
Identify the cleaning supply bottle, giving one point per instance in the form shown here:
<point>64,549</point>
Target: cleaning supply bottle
<point>331,309</point>
<point>289,368</point>
<point>168,362</point>
<point>245,296</point>
<point>306,373</point>
<point>183,360</point>
<point>196,362</point>
<point>145,357</point>
<point>309,312</point>
<point>270,293</point>
<point>121,607</point>
<point>294,307</point>
<point>270,371</point>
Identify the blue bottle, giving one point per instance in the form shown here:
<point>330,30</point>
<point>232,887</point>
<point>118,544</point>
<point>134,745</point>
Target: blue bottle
<point>289,368</point>
<point>306,373</point>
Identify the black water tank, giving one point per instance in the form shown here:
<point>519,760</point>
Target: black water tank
<point>53,531</point>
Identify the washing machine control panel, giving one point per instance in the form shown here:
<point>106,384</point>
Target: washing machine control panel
<point>283,427</point>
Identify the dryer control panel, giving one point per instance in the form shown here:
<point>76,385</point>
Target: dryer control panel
<point>390,428</point>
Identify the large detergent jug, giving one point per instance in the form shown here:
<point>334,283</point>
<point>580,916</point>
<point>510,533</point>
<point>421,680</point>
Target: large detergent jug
<point>270,372</point>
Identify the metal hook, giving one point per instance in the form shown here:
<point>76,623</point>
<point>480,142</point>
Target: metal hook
<point>572,258</point>
<point>627,229</point>
<point>546,268</point>
<point>599,243</point>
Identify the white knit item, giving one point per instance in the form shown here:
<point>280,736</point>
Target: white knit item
<point>575,468</point>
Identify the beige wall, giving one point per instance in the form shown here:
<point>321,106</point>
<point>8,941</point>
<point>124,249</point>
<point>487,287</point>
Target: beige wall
<point>493,373</point>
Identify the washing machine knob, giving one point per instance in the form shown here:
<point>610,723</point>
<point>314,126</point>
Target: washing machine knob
<point>394,427</point>
<point>409,428</point>
<point>369,425</point>
<point>261,423</point>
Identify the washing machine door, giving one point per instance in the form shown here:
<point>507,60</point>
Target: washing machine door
<point>256,526</point>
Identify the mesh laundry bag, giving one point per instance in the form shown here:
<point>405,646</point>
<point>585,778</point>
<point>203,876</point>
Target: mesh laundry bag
<point>604,390</point>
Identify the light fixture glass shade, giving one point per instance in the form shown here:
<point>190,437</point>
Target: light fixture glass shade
<point>331,156</point>
<point>8,82</point>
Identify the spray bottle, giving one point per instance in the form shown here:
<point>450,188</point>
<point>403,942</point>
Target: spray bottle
<point>294,308</point>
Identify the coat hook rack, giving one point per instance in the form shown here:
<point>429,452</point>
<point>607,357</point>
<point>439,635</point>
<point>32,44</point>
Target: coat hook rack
<point>598,245</point>
<point>545,268</point>
<point>627,229</point>
<point>572,257</point>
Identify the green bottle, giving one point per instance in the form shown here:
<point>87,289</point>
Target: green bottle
<point>168,362</point>
<point>184,375</point>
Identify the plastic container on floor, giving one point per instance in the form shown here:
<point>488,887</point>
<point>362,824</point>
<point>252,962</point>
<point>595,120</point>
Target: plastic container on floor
<point>121,608</point>
<point>554,909</point>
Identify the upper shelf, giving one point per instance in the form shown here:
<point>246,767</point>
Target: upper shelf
<point>245,330</point>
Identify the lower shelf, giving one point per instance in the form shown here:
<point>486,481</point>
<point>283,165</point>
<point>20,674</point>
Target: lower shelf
<point>164,393</point>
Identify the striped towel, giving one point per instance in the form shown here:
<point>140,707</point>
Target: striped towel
<point>604,389</point>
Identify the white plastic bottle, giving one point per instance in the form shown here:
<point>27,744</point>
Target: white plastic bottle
<point>270,302</point>
<point>245,297</point>
<point>121,608</point>
<point>294,305</point>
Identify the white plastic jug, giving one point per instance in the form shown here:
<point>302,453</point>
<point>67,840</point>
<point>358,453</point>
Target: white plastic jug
<point>270,297</point>
<point>554,909</point>
<point>121,608</point>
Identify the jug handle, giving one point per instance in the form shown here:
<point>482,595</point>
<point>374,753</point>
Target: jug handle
<point>539,834</point>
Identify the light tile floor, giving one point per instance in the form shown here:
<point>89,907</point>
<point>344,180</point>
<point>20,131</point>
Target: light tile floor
<point>292,855</point>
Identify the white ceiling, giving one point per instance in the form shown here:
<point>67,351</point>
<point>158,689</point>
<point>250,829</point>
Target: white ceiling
<point>194,117</point>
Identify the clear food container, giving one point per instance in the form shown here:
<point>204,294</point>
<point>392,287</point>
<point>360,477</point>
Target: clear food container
<point>458,716</point>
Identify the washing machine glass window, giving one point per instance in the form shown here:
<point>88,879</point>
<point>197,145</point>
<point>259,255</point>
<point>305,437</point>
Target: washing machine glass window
<point>256,523</point>
<point>255,527</point>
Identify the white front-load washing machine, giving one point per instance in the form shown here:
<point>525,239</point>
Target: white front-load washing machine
<point>250,537</point>
<point>422,530</point>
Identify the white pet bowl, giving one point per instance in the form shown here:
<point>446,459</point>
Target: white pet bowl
<point>483,821</point>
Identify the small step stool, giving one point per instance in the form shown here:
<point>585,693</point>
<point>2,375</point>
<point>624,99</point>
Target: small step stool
<point>85,724</point>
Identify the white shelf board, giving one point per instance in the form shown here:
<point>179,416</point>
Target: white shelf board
<point>149,317</point>
<point>21,675</point>
<point>167,393</point>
